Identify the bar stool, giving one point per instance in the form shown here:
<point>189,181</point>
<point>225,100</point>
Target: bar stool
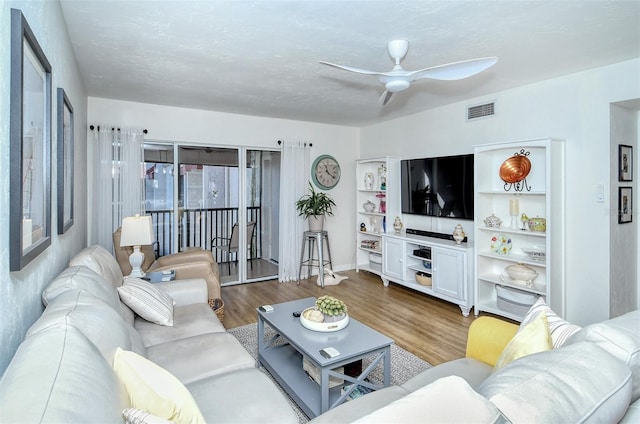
<point>313,238</point>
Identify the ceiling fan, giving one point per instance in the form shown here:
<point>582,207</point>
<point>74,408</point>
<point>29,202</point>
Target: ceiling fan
<point>399,79</point>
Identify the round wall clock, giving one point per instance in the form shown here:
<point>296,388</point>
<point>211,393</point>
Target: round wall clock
<point>325,172</point>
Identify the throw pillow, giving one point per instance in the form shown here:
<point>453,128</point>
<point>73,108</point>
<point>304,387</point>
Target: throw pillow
<point>138,416</point>
<point>532,338</point>
<point>559,329</point>
<point>148,301</point>
<point>439,402</point>
<point>153,389</point>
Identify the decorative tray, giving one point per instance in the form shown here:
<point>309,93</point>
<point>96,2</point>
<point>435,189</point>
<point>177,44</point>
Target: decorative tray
<point>323,326</point>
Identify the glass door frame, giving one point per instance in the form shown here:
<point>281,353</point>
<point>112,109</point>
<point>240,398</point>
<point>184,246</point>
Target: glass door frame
<point>242,152</point>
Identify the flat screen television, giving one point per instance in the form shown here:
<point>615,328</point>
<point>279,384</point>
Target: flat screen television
<point>440,186</point>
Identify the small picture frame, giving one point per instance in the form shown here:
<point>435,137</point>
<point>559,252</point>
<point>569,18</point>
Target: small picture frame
<point>625,205</point>
<point>65,162</point>
<point>625,163</point>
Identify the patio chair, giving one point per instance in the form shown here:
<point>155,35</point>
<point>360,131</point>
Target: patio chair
<point>230,245</point>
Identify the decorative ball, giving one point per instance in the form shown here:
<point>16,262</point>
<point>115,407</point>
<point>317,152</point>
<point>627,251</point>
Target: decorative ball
<point>315,316</point>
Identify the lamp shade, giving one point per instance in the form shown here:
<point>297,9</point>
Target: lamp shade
<point>136,231</point>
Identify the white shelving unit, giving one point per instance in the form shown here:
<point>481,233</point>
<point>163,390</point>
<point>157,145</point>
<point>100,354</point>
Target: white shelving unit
<point>369,243</point>
<point>541,195</point>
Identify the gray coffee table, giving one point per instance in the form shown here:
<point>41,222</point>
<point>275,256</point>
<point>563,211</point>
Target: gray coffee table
<point>282,356</point>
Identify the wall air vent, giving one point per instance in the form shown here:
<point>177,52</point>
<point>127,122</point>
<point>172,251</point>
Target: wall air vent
<point>480,111</point>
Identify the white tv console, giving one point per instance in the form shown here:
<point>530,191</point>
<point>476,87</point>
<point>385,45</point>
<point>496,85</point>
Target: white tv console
<point>451,267</point>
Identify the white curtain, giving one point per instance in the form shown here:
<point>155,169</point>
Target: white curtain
<point>119,179</point>
<point>294,182</point>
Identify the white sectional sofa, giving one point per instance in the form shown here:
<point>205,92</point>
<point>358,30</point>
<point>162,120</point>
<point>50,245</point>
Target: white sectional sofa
<point>63,373</point>
<point>594,377</point>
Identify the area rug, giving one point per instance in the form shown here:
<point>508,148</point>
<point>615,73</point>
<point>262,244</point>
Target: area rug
<point>404,365</point>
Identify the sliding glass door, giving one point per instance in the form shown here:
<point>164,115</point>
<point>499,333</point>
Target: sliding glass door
<point>220,199</point>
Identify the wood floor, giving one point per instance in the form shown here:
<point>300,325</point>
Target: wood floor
<point>431,329</point>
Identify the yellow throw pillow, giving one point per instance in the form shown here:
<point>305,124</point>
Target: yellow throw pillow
<point>532,338</point>
<point>154,389</point>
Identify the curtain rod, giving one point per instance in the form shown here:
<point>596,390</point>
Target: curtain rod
<point>92,127</point>
<point>305,144</point>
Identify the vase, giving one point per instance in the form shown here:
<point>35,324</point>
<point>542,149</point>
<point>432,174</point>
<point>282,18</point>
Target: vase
<point>458,234</point>
<point>316,223</point>
<point>368,181</point>
<point>397,225</point>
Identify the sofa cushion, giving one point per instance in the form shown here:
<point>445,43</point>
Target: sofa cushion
<point>197,357</point>
<point>576,383</point>
<point>621,338</point>
<point>82,278</point>
<point>148,301</point>
<point>154,389</point>
<point>244,396</point>
<point>559,329</point>
<point>439,402</point>
<point>531,338</point>
<point>633,414</point>
<point>359,407</point>
<point>58,376</point>
<point>188,321</point>
<point>93,318</point>
<point>101,261</point>
<point>473,371</point>
<point>185,292</point>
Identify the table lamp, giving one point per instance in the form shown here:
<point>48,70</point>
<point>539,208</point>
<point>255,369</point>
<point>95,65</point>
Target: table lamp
<point>136,231</point>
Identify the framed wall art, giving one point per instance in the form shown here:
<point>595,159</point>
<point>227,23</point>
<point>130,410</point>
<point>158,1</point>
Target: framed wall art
<point>65,162</point>
<point>625,205</point>
<point>30,146</point>
<point>625,163</point>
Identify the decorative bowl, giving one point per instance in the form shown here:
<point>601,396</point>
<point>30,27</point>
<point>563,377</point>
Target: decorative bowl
<point>521,273</point>
<point>537,225</point>
<point>515,169</point>
<point>426,264</point>
<point>492,221</point>
<point>337,323</point>
<point>535,253</point>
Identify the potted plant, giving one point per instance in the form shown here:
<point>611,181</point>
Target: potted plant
<point>314,206</point>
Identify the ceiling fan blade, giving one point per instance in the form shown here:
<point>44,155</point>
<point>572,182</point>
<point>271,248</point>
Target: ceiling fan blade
<point>351,69</point>
<point>386,97</point>
<point>455,70</point>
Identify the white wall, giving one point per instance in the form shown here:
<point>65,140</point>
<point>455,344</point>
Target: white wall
<point>20,302</point>
<point>623,247</point>
<point>575,108</point>
<point>201,127</point>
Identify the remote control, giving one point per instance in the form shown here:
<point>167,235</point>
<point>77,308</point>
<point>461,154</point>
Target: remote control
<point>266,308</point>
<point>297,314</point>
<point>329,352</point>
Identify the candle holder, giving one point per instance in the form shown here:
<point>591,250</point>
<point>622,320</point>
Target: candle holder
<point>514,210</point>
<point>514,222</point>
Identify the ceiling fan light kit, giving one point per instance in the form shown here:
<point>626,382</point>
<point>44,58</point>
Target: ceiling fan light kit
<point>398,79</point>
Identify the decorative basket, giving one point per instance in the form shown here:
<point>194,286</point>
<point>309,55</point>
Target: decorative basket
<point>424,279</point>
<point>218,307</point>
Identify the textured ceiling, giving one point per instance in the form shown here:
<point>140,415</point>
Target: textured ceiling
<point>261,57</point>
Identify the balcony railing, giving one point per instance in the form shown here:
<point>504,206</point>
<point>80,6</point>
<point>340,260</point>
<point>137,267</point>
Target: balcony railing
<point>198,227</point>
